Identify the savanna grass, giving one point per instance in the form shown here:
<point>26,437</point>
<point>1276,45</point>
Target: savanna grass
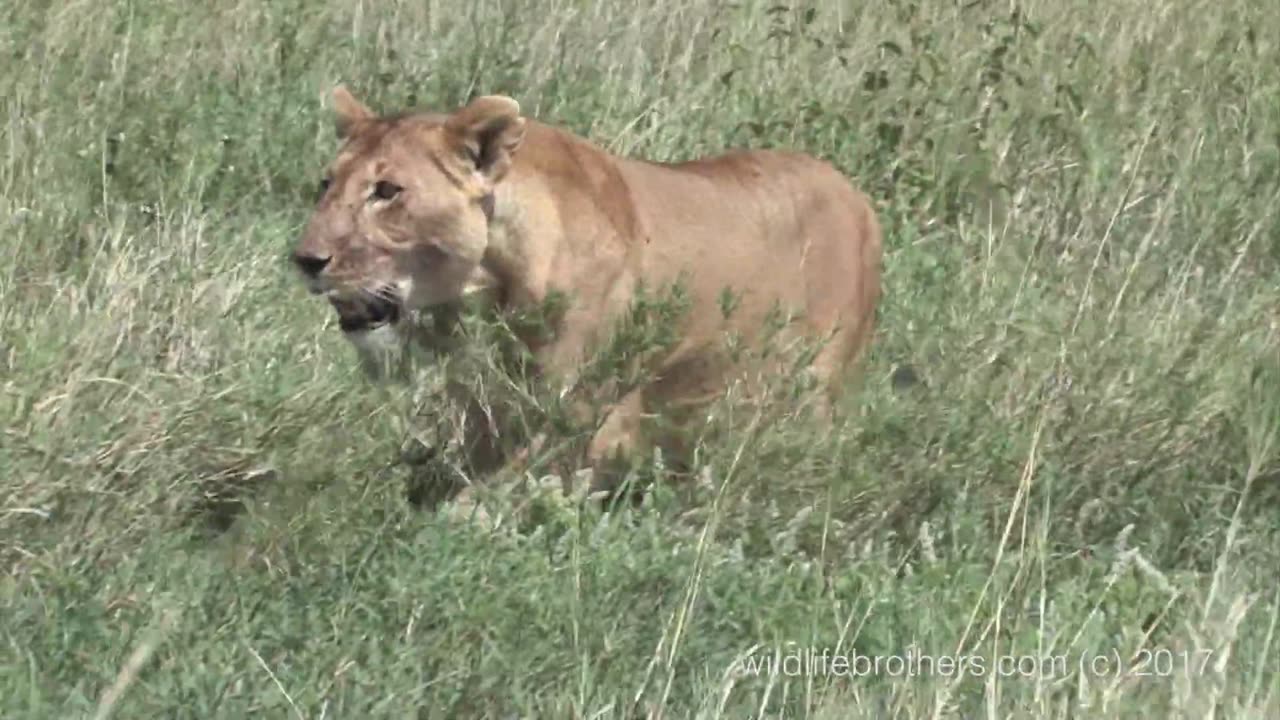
<point>1064,443</point>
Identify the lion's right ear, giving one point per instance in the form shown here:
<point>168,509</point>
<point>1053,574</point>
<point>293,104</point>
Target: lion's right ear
<point>348,111</point>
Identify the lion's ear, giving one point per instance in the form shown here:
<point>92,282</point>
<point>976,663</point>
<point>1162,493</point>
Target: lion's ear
<point>487,133</point>
<point>348,111</point>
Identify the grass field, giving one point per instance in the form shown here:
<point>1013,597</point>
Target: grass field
<point>202,500</point>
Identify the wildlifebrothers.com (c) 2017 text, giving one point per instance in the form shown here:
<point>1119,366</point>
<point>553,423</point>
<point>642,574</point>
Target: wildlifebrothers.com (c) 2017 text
<point>797,661</point>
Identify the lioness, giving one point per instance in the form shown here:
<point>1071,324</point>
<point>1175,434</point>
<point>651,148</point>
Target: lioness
<point>419,210</point>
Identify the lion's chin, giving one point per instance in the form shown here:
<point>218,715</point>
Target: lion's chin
<point>378,340</point>
<point>380,349</point>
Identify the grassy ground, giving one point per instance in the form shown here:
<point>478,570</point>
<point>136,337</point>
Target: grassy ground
<point>202,509</point>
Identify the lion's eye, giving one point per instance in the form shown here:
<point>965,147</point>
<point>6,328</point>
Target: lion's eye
<point>384,190</point>
<point>324,186</point>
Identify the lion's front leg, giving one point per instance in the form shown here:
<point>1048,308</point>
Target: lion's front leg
<point>615,442</point>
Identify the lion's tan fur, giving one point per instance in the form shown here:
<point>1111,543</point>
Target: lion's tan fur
<point>569,216</point>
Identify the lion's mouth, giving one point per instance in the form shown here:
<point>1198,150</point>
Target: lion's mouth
<point>366,313</point>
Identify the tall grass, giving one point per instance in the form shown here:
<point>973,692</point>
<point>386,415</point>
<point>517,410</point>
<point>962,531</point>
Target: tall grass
<point>202,508</point>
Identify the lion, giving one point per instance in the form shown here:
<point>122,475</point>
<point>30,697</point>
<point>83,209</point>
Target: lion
<point>421,210</point>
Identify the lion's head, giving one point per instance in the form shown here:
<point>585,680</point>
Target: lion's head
<point>402,218</point>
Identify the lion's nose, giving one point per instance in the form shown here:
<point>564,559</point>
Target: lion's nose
<point>311,265</point>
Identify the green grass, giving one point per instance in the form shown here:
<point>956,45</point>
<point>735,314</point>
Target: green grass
<point>202,506</point>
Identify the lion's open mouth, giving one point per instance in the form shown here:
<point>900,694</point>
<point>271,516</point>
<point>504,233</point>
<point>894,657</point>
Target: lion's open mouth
<point>365,313</point>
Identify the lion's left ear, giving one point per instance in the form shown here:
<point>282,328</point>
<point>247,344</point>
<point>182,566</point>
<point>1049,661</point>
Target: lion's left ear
<point>487,132</point>
<point>348,112</point>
